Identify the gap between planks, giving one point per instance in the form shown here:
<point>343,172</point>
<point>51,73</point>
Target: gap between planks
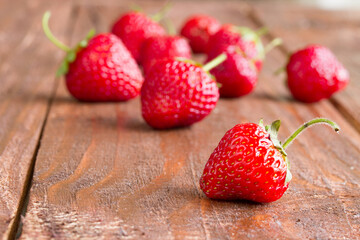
<point>15,227</point>
<point>253,16</point>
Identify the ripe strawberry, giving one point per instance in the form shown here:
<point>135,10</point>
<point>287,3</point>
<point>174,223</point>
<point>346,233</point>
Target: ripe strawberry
<point>245,39</point>
<point>134,28</point>
<point>178,93</point>
<point>156,48</point>
<point>99,68</point>
<point>314,73</point>
<point>237,74</point>
<point>250,163</point>
<point>198,30</point>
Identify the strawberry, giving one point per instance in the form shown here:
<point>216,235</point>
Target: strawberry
<point>133,28</point>
<point>99,68</point>
<point>314,73</point>
<point>237,75</point>
<point>198,29</point>
<point>178,93</point>
<point>156,48</point>
<point>251,163</point>
<point>247,40</point>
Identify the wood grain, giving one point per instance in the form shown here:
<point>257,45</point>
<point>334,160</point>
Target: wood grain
<point>338,30</point>
<point>27,82</point>
<point>102,173</point>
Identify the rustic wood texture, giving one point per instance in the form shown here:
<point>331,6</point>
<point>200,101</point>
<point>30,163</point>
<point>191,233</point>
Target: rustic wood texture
<point>102,173</point>
<point>27,65</point>
<point>338,30</point>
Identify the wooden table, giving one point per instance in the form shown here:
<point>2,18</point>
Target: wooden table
<point>71,170</point>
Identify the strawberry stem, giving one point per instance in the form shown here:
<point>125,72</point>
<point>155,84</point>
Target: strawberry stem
<point>215,62</point>
<point>274,43</point>
<point>160,15</point>
<point>262,31</point>
<point>308,124</point>
<point>170,27</point>
<point>49,35</point>
<point>279,70</point>
<point>135,7</point>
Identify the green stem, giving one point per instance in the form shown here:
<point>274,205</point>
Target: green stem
<point>160,15</point>
<point>279,70</point>
<point>49,35</point>
<point>213,63</point>
<point>262,31</point>
<point>170,27</point>
<point>308,124</point>
<point>136,8</point>
<point>274,43</point>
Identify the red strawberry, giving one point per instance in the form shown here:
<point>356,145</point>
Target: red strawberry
<point>250,163</point>
<point>237,74</point>
<point>99,68</point>
<point>156,48</point>
<point>314,73</point>
<point>198,30</point>
<point>178,93</point>
<point>248,41</point>
<point>134,28</point>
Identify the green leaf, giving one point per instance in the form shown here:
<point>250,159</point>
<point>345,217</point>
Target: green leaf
<point>273,131</point>
<point>70,57</point>
<point>251,35</point>
<point>63,69</point>
<point>90,34</point>
<point>261,122</point>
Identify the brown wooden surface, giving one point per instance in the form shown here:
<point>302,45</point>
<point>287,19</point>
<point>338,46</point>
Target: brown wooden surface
<point>102,173</point>
<point>339,30</point>
<point>27,63</point>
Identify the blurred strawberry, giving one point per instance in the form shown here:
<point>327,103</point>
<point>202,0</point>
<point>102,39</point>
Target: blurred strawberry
<point>99,68</point>
<point>314,73</point>
<point>247,40</point>
<point>133,28</point>
<point>237,75</point>
<point>198,30</point>
<point>156,48</point>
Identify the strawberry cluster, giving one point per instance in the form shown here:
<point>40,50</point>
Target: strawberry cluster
<point>249,162</point>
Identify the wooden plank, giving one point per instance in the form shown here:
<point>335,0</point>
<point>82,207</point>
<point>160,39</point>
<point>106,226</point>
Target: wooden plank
<point>102,173</point>
<point>338,30</point>
<point>26,71</point>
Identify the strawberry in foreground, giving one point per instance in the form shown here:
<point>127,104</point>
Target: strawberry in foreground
<point>178,93</point>
<point>198,30</point>
<point>250,163</point>
<point>314,73</point>
<point>133,28</point>
<point>156,48</point>
<point>237,74</point>
<point>99,68</point>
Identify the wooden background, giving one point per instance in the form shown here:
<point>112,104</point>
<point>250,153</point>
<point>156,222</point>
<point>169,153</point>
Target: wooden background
<point>71,170</point>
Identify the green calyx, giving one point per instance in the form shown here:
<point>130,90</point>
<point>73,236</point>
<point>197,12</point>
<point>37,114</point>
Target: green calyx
<point>255,36</point>
<point>273,130</point>
<point>70,52</point>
